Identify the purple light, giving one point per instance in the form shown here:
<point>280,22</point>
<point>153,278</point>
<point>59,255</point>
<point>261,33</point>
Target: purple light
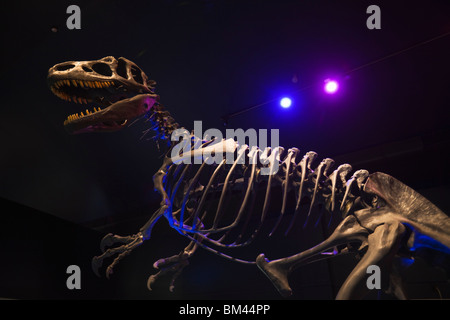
<point>331,86</point>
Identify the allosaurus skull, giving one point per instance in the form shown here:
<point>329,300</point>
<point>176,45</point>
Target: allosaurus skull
<point>120,90</point>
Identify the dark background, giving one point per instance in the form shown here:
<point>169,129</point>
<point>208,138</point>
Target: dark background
<point>62,193</point>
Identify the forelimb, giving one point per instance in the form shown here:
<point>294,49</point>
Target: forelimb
<point>129,243</point>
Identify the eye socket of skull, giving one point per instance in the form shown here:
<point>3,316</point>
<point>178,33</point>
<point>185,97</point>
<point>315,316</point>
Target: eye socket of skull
<point>122,68</point>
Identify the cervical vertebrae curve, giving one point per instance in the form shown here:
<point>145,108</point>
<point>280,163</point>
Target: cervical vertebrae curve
<point>214,203</point>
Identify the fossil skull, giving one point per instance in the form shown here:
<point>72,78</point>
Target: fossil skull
<point>119,90</point>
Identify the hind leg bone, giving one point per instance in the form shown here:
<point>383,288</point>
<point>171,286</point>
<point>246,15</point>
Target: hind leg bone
<point>382,245</point>
<point>278,270</point>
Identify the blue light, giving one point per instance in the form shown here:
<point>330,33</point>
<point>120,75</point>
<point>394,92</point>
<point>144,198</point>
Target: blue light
<point>285,102</point>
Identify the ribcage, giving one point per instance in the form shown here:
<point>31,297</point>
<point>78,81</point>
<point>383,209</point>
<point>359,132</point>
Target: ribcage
<point>225,202</point>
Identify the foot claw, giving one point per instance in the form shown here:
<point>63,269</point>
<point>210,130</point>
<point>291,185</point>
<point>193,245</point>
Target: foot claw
<point>173,265</point>
<point>158,263</point>
<point>150,282</point>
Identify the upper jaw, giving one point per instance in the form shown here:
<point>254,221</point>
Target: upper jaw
<point>82,82</point>
<point>101,92</point>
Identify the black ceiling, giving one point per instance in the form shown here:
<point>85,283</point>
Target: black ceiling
<point>212,58</point>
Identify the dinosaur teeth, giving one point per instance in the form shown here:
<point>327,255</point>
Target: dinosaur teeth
<point>77,116</point>
<point>83,84</point>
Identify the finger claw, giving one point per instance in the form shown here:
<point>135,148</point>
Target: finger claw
<point>96,264</point>
<point>106,242</point>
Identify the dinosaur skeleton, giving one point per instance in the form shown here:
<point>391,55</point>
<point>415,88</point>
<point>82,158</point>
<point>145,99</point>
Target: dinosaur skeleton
<point>379,213</point>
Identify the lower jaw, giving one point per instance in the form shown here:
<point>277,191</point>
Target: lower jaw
<point>77,129</point>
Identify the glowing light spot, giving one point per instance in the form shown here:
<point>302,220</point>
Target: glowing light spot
<point>285,102</point>
<point>331,86</point>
